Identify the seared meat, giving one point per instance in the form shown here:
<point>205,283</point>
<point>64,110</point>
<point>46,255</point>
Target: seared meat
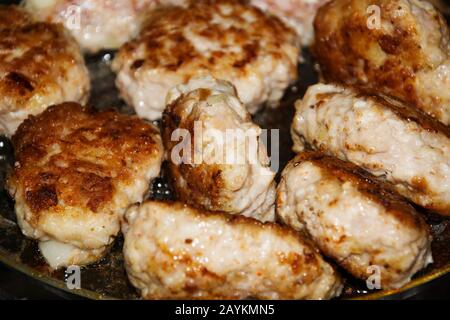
<point>223,165</point>
<point>40,65</point>
<point>76,172</point>
<point>224,38</point>
<point>96,24</point>
<point>387,138</point>
<point>406,54</point>
<point>354,218</point>
<point>218,256</point>
<point>298,14</point>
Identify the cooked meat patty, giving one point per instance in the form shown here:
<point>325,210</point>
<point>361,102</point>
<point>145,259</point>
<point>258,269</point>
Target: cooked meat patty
<point>76,172</point>
<point>216,158</point>
<point>40,65</point>
<point>224,38</point>
<point>387,138</point>
<point>353,218</point>
<point>405,53</point>
<point>219,256</point>
<point>96,24</point>
<point>298,14</point>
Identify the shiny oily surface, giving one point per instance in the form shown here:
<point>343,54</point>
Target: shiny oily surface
<point>107,279</point>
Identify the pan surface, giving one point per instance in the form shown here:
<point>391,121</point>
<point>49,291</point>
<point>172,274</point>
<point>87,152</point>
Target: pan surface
<point>107,278</point>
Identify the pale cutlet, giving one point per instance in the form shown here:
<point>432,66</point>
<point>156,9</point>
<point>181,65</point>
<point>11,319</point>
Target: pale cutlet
<point>298,14</point>
<point>173,251</point>
<point>390,139</point>
<point>95,24</point>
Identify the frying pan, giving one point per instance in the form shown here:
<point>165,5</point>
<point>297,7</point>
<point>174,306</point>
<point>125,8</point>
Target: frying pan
<point>107,278</point>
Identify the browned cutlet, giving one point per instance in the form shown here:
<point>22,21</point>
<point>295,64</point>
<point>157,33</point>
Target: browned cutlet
<point>359,221</point>
<point>403,52</point>
<point>40,65</point>
<point>234,177</point>
<point>227,39</point>
<point>76,172</point>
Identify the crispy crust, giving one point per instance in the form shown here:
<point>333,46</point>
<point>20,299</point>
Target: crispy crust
<point>232,187</point>
<point>380,192</point>
<point>349,52</point>
<point>205,185</point>
<point>204,182</point>
<point>35,61</point>
<point>69,155</point>
<point>168,49</point>
<point>13,17</point>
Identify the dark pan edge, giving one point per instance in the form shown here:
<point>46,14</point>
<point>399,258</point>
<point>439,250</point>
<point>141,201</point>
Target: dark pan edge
<point>406,291</point>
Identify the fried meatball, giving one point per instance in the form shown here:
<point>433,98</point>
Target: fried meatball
<point>96,24</point>
<point>40,65</point>
<point>298,14</point>
<point>216,158</point>
<point>76,173</point>
<point>219,256</point>
<point>394,141</point>
<point>224,38</point>
<point>405,53</point>
<point>353,218</point>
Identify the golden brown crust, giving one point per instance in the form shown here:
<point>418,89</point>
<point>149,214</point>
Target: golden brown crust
<point>199,184</point>
<point>35,60</point>
<point>167,47</point>
<point>205,186</point>
<point>348,51</point>
<point>72,156</point>
<point>13,17</point>
<point>380,192</point>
